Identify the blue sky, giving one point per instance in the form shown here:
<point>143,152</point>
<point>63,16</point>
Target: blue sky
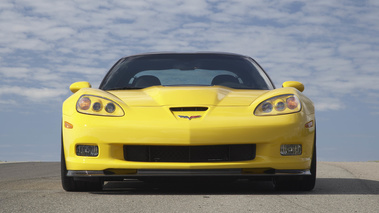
<point>331,46</point>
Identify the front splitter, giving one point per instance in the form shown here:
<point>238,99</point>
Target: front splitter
<point>186,172</point>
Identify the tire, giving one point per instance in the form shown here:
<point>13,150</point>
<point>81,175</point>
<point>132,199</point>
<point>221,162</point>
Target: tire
<point>69,184</point>
<point>302,183</point>
<point>309,182</point>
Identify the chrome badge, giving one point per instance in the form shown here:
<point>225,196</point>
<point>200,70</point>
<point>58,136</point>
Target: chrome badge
<point>189,117</point>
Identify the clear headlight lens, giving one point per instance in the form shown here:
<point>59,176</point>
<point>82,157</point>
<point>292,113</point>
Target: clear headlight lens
<point>84,103</point>
<point>110,107</point>
<point>94,105</point>
<point>283,104</point>
<point>97,106</point>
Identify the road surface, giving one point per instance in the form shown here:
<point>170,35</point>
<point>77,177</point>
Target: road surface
<point>340,187</point>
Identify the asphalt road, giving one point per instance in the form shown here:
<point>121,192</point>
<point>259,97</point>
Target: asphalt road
<point>340,187</point>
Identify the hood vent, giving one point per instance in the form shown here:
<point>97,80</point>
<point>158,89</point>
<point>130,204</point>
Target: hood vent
<point>188,109</point>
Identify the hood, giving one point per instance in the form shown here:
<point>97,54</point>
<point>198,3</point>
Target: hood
<point>188,96</point>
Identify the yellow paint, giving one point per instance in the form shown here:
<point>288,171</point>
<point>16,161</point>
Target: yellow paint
<point>148,120</point>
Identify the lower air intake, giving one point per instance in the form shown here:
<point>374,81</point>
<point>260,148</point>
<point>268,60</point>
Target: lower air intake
<point>218,153</point>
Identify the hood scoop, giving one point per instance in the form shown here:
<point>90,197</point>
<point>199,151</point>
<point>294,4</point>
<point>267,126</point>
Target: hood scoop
<point>188,113</point>
<point>188,109</point>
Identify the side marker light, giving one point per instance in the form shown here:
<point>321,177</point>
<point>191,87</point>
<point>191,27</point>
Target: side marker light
<point>309,124</point>
<point>68,125</point>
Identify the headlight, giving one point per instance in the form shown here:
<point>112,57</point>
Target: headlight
<point>283,104</point>
<point>94,105</point>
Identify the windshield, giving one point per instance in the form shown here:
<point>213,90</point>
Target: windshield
<point>234,71</point>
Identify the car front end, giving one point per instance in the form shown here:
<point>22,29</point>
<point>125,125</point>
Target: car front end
<point>188,114</point>
<point>266,145</point>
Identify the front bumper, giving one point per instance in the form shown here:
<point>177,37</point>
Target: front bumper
<point>111,134</point>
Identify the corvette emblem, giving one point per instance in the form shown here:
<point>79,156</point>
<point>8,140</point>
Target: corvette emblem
<point>189,117</point>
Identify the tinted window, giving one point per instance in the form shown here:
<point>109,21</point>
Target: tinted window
<point>142,71</point>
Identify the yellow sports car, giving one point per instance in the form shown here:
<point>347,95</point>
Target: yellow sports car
<point>188,114</point>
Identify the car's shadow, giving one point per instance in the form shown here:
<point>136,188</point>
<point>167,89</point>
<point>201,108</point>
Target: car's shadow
<point>323,186</point>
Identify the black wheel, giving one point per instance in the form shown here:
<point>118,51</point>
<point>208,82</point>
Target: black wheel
<point>302,183</point>
<point>69,184</point>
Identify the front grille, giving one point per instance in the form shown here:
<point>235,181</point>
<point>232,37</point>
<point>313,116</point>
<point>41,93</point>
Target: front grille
<point>218,153</point>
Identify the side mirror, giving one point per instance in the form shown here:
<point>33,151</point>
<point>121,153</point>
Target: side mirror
<point>299,86</point>
<point>79,85</point>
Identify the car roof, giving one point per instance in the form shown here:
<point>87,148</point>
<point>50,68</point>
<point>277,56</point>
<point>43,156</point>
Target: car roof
<point>186,53</point>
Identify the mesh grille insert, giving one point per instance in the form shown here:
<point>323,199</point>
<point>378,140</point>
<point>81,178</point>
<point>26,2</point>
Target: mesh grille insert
<point>218,153</point>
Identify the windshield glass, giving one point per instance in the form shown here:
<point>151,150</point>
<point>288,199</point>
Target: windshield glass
<point>234,71</point>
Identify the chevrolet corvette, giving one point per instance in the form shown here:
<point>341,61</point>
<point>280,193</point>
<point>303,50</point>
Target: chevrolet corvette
<point>188,115</point>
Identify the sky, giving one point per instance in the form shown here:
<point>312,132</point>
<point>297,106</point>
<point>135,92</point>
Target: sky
<point>331,46</point>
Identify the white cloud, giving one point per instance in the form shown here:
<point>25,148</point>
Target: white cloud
<point>33,94</point>
<point>14,72</point>
<point>331,46</point>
